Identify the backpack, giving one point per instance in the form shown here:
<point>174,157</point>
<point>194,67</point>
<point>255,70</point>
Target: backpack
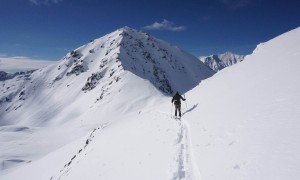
<point>176,101</point>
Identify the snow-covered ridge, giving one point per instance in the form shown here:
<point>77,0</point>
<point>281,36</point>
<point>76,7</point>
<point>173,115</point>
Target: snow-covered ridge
<point>167,68</point>
<point>98,83</point>
<point>100,67</point>
<point>221,61</point>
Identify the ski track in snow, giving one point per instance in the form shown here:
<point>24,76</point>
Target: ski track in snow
<point>185,167</point>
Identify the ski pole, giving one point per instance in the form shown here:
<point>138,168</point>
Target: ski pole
<point>185,101</point>
<point>171,110</point>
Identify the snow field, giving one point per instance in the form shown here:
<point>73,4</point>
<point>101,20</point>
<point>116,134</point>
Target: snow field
<point>246,121</point>
<point>243,123</point>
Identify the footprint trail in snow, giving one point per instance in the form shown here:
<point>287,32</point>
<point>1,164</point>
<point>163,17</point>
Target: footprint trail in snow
<point>185,168</point>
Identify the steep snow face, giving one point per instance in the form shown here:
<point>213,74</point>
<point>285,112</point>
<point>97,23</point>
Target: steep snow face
<point>221,61</point>
<point>168,68</point>
<point>245,124</point>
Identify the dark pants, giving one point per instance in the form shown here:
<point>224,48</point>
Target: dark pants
<point>178,107</point>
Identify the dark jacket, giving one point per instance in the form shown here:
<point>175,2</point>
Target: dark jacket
<point>176,98</point>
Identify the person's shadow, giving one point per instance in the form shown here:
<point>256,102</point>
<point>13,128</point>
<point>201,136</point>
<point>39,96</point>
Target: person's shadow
<point>189,110</point>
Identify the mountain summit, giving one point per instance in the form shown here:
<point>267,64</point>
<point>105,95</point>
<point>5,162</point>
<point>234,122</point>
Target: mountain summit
<point>98,72</point>
<point>168,68</point>
<point>106,80</point>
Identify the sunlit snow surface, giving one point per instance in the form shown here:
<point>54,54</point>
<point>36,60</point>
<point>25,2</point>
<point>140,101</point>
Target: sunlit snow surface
<point>242,123</point>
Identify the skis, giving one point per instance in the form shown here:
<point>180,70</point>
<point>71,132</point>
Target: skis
<point>177,118</point>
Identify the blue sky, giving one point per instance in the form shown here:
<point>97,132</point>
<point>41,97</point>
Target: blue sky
<point>48,29</point>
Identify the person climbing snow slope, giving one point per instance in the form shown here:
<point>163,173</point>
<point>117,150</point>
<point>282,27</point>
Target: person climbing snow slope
<point>177,102</point>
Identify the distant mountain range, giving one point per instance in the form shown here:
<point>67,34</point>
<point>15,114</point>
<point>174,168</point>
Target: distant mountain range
<point>220,61</point>
<point>5,76</point>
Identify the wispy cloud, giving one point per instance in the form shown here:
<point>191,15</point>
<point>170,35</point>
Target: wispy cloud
<point>165,25</point>
<point>45,2</point>
<point>236,4</point>
<point>20,63</point>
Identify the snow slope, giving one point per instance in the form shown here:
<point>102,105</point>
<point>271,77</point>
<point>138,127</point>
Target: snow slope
<point>96,84</point>
<point>98,72</point>
<point>242,123</point>
<point>250,128</point>
<point>221,61</point>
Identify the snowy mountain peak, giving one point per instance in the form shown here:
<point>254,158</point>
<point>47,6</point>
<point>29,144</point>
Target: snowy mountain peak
<point>107,79</point>
<point>100,71</point>
<point>220,61</point>
<point>159,62</point>
<point>139,53</point>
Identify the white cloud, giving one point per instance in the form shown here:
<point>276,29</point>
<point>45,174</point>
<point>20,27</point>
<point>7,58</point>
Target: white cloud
<point>165,25</point>
<point>45,2</point>
<point>15,64</point>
